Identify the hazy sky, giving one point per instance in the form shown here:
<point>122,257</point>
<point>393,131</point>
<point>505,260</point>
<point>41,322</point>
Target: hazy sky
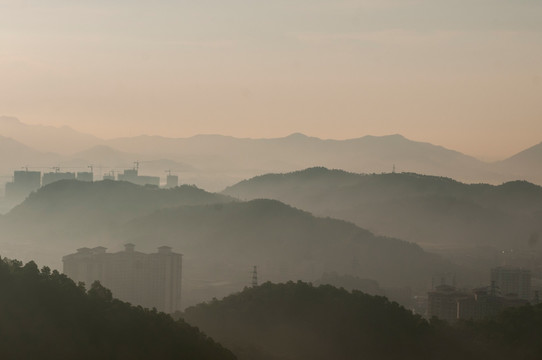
<point>465,74</point>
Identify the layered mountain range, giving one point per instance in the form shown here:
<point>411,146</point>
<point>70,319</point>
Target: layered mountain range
<point>221,239</point>
<point>428,210</point>
<point>214,161</point>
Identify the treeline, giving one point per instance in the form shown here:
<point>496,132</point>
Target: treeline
<point>45,315</point>
<point>300,321</point>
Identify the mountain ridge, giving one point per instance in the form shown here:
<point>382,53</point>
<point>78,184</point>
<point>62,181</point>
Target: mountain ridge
<point>424,209</point>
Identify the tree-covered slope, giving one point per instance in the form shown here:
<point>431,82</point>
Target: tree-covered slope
<point>222,242</point>
<point>299,321</point>
<point>44,315</point>
<point>418,208</point>
<point>69,214</point>
<point>77,210</point>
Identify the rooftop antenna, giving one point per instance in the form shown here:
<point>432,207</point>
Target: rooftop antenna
<point>25,168</point>
<point>168,172</point>
<point>136,165</point>
<point>91,167</point>
<point>56,168</point>
<point>255,276</point>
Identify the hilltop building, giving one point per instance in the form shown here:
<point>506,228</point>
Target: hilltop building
<point>24,182</point>
<point>85,176</point>
<point>172,181</point>
<point>442,302</point>
<point>131,175</point>
<point>448,303</point>
<point>109,176</point>
<point>512,281</point>
<point>149,280</point>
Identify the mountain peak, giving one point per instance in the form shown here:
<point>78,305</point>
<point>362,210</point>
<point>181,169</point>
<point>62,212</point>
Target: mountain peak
<point>297,135</point>
<point>9,120</point>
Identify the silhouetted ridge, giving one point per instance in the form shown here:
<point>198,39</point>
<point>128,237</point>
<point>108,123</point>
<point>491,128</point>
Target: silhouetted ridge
<point>76,212</point>
<point>45,315</point>
<point>111,198</point>
<point>419,208</point>
<point>227,239</point>
<point>300,321</point>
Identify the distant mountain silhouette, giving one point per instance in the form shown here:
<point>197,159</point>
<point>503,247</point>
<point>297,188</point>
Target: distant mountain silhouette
<point>216,161</point>
<point>100,153</point>
<point>417,208</point>
<point>108,157</point>
<point>15,155</point>
<point>62,140</point>
<point>222,242</point>
<point>367,154</point>
<point>524,165</point>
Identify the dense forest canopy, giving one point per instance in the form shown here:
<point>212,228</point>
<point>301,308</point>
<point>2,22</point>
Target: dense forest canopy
<point>45,315</point>
<point>438,213</point>
<point>300,321</point>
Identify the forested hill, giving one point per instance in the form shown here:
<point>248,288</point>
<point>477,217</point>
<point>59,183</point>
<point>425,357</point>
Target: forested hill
<point>106,199</point>
<point>418,208</point>
<point>44,315</point>
<point>298,321</point>
<point>222,242</point>
<point>69,214</point>
<point>70,209</point>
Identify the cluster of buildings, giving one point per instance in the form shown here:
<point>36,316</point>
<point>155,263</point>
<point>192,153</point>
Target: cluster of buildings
<point>510,287</point>
<point>25,181</point>
<point>150,280</point>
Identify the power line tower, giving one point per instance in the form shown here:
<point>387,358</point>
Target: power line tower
<point>255,276</point>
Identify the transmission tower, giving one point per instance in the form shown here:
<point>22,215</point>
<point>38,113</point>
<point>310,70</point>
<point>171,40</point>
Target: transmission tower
<point>255,277</point>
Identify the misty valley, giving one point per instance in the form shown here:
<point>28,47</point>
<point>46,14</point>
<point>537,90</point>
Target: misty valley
<point>315,263</point>
<point>271,180</point>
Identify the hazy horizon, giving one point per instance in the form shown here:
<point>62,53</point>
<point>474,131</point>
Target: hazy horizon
<point>301,179</point>
<point>464,74</point>
<point>521,147</point>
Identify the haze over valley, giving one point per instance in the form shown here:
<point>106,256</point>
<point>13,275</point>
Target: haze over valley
<point>280,180</point>
<point>213,162</point>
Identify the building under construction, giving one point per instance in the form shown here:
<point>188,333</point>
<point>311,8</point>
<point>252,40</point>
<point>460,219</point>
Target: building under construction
<point>150,280</point>
<point>132,175</point>
<point>24,182</point>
